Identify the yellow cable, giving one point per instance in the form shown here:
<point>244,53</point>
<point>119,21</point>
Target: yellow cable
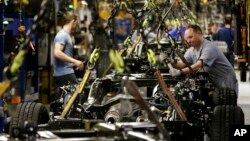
<point>3,86</point>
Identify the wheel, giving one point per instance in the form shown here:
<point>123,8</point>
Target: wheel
<point>223,117</point>
<point>36,113</point>
<point>224,96</point>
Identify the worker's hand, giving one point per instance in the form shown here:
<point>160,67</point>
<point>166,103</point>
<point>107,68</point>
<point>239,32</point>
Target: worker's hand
<point>173,72</point>
<point>78,64</point>
<point>162,57</point>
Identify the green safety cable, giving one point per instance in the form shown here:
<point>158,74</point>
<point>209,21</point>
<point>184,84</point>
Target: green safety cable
<point>116,60</point>
<point>17,62</point>
<point>149,4</point>
<point>151,57</point>
<point>94,56</point>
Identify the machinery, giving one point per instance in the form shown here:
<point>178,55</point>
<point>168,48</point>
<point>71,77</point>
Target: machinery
<point>131,106</point>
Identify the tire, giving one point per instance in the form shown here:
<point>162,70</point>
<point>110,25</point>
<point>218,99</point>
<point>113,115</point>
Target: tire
<point>224,96</point>
<point>223,117</point>
<point>31,112</point>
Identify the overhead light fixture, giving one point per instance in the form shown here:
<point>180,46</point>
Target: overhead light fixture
<point>83,2</point>
<point>204,1</point>
<point>5,22</point>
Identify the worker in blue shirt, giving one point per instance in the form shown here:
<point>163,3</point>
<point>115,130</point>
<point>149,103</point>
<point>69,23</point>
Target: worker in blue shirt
<point>205,56</point>
<point>179,31</point>
<point>226,34</point>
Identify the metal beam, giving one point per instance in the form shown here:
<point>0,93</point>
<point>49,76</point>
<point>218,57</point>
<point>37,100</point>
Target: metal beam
<point>1,40</point>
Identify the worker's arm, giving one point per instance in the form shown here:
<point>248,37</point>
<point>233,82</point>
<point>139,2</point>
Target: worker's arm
<point>186,70</point>
<point>179,65</point>
<point>59,54</point>
<point>195,67</point>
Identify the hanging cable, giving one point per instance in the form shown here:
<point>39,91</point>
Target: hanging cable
<point>10,71</point>
<point>162,22</point>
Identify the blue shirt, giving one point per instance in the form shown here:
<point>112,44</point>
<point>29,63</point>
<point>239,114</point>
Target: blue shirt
<point>60,67</point>
<point>122,29</point>
<point>227,35</point>
<point>176,33</point>
<point>221,72</point>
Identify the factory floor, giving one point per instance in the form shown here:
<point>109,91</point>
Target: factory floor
<point>244,96</point>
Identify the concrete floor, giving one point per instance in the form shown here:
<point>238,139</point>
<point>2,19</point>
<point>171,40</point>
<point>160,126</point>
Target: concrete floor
<point>244,96</point>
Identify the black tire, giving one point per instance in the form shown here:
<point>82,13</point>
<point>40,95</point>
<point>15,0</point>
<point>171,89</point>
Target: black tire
<point>224,96</point>
<point>31,112</point>
<point>223,117</point>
